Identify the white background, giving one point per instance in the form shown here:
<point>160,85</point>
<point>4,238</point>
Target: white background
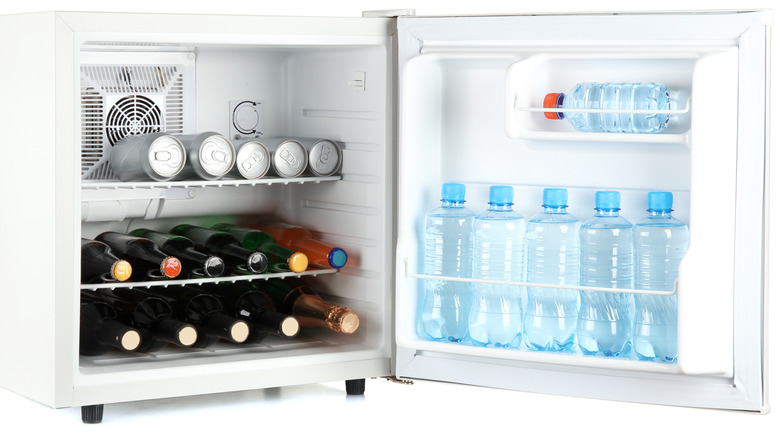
<point>426,408</point>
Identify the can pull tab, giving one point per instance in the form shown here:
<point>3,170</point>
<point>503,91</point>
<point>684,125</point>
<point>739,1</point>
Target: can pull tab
<point>162,156</point>
<point>219,156</point>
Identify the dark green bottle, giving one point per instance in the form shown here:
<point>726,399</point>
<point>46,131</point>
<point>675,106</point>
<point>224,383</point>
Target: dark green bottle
<point>100,332</point>
<point>205,312</point>
<point>243,301</point>
<point>281,258</point>
<point>184,249</point>
<point>225,246</point>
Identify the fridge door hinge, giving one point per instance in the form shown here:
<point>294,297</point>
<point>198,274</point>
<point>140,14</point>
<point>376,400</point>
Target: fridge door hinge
<point>390,13</point>
<point>400,381</point>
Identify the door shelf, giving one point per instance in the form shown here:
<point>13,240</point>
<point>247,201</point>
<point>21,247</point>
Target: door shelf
<point>410,274</point>
<point>200,281</point>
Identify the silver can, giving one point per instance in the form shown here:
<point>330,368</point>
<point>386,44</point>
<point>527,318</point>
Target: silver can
<point>210,155</point>
<point>157,156</point>
<point>325,156</point>
<point>252,160</point>
<point>288,157</point>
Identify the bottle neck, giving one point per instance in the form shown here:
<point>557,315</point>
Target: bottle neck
<point>660,213</point>
<point>452,204</point>
<point>554,210</point>
<point>500,207</point>
<point>607,212</point>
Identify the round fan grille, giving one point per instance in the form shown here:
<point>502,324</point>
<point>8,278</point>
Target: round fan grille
<point>132,115</point>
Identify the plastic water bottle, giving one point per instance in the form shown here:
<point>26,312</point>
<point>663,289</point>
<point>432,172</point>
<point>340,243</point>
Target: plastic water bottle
<point>660,242</point>
<point>550,320</point>
<point>622,96</point>
<point>499,246</point>
<point>449,253</point>
<point>606,260</point>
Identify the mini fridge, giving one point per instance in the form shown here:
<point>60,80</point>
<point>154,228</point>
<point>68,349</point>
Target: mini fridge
<point>414,102</point>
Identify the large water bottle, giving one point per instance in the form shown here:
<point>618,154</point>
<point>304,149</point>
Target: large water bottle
<point>660,242</point>
<point>499,246</point>
<point>606,260</point>
<point>606,96</point>
<point>550,320</point>
<point>448,252</point>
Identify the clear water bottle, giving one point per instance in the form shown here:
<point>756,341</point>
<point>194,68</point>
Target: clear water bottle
<point>449,253</point>
<point>550,320</point>
<point>499,246</point>
<point>606,96</point>
<point>606,260</point>
<point>660,242</point>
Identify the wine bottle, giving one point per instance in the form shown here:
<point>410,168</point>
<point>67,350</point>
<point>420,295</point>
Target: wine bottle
<point>302,302</point>
<point>184,249</point>
<point>151,316</point>
<point>241,300</point>
<point>300,239</point>
<point>224,245</point>
<point>142,253</point>
<point>205,312</point>
<point>99,264</point>
<point>281,258</point>
<point>100,332</point>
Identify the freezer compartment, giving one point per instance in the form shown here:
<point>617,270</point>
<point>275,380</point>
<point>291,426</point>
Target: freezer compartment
<point>460,123</point>
<point>307,87</point>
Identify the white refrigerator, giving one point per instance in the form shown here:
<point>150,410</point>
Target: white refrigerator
<point>415,101</point>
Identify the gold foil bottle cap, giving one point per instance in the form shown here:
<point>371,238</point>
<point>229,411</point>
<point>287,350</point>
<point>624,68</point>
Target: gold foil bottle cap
<point>344,320</point>
<point>298,262</point>
<point>121,270</point>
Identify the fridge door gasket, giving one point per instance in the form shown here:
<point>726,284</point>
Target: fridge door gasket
<point>733,378</point>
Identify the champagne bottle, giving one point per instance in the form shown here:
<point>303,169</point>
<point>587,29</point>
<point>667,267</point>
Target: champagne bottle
<point>281,258</point>
<point>302,302</point>
<point>184,249</point>
<point>142,253</point>
<point>205,312</point>
<point>300,239</point>
<point>224,245</point>
<point>151,316</point>
<point>244,301</point>
<point>99,264</point>
<point>100,331</point>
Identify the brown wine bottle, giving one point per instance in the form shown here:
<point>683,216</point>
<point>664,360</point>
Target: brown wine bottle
<point>302,302</point>
<point>99,264</point>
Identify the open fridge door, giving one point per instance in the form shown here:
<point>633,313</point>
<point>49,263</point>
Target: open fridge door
<point>470,94</point>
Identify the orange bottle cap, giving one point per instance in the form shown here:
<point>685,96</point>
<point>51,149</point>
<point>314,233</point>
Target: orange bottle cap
<point>552,101</point>
<point>298,262</point>
<point>171,267</point>
<point>121,270</point>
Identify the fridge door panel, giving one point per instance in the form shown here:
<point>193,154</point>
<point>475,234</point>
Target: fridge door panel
<point>466,86</point>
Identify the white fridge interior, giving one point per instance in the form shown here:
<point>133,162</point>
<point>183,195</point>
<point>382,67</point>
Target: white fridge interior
<point>470,92</point>
<point>431,101</point>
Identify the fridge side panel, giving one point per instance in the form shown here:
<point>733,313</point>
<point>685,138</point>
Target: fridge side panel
<point>28,326</point>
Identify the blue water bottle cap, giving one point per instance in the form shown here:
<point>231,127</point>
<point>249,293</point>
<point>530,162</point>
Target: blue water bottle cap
<point>453,192</point>
<point>659,201</point>
<point>607,200</point>
<point>501,195</point>
<point>555,198</point>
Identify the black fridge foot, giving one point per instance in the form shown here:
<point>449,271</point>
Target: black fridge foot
<point>356,387</point>
<point>92,414</point>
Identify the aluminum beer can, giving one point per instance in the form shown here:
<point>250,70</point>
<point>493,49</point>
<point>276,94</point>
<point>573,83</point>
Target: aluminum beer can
<point>288,157</point>
<point>209,155</point>
<point>252,160</point>
<point>325,156</point>
<point>156,156</point>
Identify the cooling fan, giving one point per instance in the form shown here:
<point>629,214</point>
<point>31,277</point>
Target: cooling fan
<point>123,100</point>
